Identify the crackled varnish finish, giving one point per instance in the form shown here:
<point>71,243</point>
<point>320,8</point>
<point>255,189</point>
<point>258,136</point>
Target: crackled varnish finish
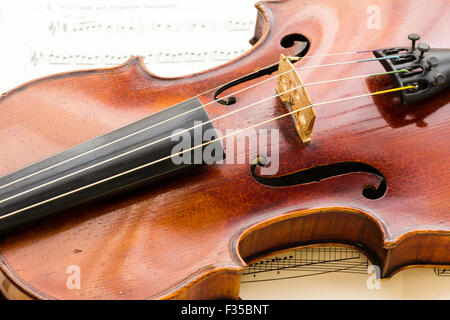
<point>190,236</point>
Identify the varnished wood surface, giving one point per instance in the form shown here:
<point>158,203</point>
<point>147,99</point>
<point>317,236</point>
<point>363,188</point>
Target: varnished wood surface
<point>189,237</point>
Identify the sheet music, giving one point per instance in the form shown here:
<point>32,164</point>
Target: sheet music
<point>175,37</point>
<point>337,273</point>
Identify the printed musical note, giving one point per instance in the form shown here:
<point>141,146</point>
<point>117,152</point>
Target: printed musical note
<point>139,26</point>
<point>63,35</point>
<point>306,262</point>
<point>68,6</point>
<point>174,37</point>
<point>442,272</point>
<point>53,58</point>
<point>331,272</point>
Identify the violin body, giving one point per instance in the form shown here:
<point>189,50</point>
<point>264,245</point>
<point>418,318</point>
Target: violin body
<point>190,236</point>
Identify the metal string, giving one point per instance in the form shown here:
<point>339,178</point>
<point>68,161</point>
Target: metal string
<point>207,143</point>
<point>306,57</point>
<point>183,131</point>
<point>191,110</point>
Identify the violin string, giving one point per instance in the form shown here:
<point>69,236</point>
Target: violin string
<point>186,112</point>
<point>205,144</point>
<point>209,90</point>
<point>302,58</point>
<point>187,130</point>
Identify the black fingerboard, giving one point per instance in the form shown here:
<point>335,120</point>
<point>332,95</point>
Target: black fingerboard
<point>58,186</point>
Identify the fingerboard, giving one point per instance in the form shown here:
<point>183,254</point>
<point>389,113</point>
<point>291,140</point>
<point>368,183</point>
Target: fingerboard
<point>132,156</point>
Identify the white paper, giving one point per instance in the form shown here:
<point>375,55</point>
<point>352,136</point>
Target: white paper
<point>175,37</point>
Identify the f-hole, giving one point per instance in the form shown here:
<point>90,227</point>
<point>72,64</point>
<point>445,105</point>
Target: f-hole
<point>285,42</point>
<point>320,172</point>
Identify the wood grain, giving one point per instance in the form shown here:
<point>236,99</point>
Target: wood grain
<point>190,236</point>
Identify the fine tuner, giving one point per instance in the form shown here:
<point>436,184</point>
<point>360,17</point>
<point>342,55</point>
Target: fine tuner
<point>425,70</point>
<point>428,69</point>
<point>92,177</point>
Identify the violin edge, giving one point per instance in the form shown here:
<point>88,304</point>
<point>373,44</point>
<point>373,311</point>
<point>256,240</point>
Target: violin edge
<point>223,281</point>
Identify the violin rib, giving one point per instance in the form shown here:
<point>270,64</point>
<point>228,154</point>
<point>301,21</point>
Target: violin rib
<point>190,236</point>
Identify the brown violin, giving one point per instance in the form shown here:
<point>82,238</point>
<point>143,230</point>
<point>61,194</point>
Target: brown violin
<point>328,130</point>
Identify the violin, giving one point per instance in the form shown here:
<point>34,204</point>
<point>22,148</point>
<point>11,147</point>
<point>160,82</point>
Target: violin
<point>331,129</point>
